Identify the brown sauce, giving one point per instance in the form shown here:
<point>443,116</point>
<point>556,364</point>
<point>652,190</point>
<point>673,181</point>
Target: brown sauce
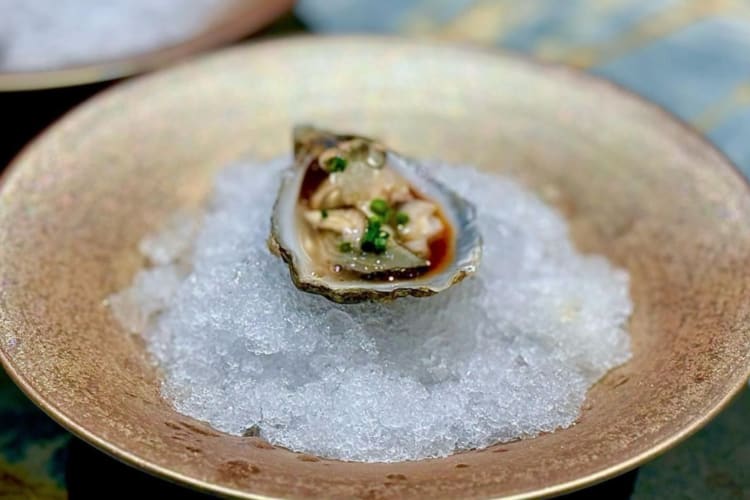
<point>442,247</point>
<point>314,177</point>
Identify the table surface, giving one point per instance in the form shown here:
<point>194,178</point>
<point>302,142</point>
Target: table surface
<point>690,56</point>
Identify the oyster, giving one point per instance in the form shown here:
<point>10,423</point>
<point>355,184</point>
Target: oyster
<point>355,222</point>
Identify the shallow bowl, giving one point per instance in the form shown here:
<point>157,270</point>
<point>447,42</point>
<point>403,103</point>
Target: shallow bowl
<point>634,183</point>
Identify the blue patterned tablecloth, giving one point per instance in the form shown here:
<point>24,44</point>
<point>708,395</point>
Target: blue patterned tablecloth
<point>691,56</point>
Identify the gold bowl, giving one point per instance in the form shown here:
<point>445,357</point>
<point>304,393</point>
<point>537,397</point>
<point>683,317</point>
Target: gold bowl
<point>239,18</point>
<point>634,183</point>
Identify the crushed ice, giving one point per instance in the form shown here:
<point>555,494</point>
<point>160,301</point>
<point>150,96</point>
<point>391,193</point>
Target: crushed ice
<point>507,354</point>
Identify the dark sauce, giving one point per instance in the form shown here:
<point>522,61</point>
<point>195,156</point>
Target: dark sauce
<point>314,177</point>
<point>441,247</point>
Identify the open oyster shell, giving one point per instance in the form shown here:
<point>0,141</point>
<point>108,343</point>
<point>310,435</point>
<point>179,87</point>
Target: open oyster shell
<point>355,221</point>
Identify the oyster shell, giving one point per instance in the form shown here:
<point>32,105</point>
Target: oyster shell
<point>355,221</point>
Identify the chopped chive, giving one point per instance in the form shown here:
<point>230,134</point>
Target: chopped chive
<point>379,206</point>
<point>336,164</point>
<point>380,245</point>
<point>372,241</point>
<point>373,229</point>
<point>324,213</point>
<point>345,247</point>
<point>373,225</point>
<point>402,218</point>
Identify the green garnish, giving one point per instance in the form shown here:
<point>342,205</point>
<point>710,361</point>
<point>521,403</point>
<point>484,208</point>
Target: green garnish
<point>374,240</point>
<point>373,228</point>
<point>345,247</point>
<point>379,206</point>
<point>402,218</point>
<point>336,164</point>
<point>324,213</point>
<point>380,244</point>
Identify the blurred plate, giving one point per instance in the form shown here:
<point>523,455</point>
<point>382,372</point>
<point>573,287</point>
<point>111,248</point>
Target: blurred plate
<point>635,184</point>
<point>239,18</point>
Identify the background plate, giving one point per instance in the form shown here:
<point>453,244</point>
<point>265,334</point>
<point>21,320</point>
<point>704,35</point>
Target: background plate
<point>237,20</point>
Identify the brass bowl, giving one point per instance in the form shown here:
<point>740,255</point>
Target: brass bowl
<point>239,19</point>
<point>635,184</point>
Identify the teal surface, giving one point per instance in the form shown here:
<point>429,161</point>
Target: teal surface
<point>32,448</point>
<point>692,57</point>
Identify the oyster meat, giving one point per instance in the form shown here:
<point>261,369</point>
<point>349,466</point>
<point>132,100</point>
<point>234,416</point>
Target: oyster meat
<point>355,221</point>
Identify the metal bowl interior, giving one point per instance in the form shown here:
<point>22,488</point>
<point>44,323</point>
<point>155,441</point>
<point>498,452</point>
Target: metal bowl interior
<point>635,185</point>
<point>236,20</point>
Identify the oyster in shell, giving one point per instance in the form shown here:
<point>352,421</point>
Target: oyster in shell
<point>355,222</point>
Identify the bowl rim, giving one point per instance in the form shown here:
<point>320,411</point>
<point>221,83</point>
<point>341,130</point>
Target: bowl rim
<point>536,64</point>
<point>257,14</point>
